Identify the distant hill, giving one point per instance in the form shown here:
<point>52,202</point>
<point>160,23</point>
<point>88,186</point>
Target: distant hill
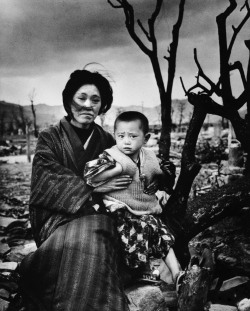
<point>13,115</point>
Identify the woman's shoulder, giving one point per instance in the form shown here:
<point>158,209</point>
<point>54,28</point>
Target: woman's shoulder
<point>51,131</point>
<point>108,136</point>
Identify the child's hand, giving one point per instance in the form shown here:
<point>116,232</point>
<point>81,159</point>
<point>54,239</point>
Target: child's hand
<point>168,168</point>
<point>152,187</point>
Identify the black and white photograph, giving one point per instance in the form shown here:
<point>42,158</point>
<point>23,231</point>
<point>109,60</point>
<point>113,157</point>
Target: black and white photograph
<point>124,155</point>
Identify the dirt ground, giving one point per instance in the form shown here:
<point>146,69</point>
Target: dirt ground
<point>15,232</point>
<point>15,180</point>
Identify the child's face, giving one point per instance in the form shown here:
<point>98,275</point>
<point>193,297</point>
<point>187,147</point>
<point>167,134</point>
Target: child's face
<point>130,137</point>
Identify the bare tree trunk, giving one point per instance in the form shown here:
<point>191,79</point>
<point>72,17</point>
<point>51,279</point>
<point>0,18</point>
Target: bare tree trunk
<point>32,97</point>
<point>28,142</point>
<point>165,93</point>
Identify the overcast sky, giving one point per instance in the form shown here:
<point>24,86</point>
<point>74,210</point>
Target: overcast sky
<point>43,41</point>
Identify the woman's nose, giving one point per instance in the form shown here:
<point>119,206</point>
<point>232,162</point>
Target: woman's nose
<point>87,103</point>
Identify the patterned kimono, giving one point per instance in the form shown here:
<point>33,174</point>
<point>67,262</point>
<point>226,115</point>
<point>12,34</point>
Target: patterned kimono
<point>75,265</point>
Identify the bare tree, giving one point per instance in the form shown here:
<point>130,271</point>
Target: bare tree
<point>32,96</point>
<point>194,221</point>
<point>165,92</point>
<point>188,218</point>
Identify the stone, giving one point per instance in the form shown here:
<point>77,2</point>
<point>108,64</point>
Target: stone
<point>4,293</point>
<point>9,222</point>
<point>218,307</point>
<point>137,292</point>
<point>19,252</point>
<point>4,249</point>
<point>233,282</point>
<point>151,297</point>
<point>152,300</point>
<point>11,266</point>
<point>4,305</point>
<point>244,305</point>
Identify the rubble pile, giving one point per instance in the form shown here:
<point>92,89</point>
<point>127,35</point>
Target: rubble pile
<point>229,241</point>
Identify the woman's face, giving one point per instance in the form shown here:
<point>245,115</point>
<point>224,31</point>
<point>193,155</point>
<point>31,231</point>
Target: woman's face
<point>85,105</point>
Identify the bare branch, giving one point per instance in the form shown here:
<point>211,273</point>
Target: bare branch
<point>32,95</point>
<point>130,24</point>
<point>214,87</point>
<point>151,23</point>
<point>236,30</point>
<point>228,11</point>
<point>241,100</point>
<point>113,5</point>
<point>144,30</point>
<point>183,86</point>
<point>223,49</point>
<point>198,85</point>
<point>238,65</point>
<point>208,104</point>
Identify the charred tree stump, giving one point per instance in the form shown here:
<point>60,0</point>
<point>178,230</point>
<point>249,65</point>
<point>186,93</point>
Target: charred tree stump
<point>195,287</point>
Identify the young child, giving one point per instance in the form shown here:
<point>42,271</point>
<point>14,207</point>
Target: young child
<point>143,234</point>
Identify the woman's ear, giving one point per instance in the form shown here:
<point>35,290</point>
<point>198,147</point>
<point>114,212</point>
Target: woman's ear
<point>147,136</point>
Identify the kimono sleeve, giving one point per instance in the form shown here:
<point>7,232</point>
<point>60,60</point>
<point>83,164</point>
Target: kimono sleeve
<point>95,167</point>
<point>55,184</point>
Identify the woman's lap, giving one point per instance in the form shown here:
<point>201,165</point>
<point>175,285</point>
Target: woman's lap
<point>75,268</point>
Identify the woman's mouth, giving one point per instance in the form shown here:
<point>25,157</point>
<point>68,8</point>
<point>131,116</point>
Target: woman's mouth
<point>86,114</point>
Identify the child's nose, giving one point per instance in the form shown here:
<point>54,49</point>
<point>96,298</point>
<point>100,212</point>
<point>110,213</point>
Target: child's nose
<point>126,140</point>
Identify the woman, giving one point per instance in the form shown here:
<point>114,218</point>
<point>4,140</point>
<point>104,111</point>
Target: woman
<point>74,267</point>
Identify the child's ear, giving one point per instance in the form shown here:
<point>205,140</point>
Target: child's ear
<point>147,136</point>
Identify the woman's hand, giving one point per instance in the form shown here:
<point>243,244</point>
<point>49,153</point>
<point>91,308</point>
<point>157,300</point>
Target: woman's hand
<point>117,183</point>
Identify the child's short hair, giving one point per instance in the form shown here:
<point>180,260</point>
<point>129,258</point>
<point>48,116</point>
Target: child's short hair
<point>132,116</point>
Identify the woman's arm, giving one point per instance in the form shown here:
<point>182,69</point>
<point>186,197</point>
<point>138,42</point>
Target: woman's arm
<point>107,174</point>
<point>55,185</point>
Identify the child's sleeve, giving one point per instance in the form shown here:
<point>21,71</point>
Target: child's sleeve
<point>97,166</point>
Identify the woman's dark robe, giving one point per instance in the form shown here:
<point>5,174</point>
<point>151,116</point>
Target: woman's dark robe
<point>75,265</point>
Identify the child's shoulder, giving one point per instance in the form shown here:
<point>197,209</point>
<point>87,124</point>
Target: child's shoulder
<point>149,153</point>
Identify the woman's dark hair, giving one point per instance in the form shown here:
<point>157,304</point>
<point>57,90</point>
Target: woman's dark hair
<point>79,78</point>
<point>128,116</point>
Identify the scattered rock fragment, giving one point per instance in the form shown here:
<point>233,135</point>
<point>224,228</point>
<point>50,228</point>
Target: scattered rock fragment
<point>244,305</point>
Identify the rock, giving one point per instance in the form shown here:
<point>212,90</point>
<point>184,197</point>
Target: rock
<point>217,307</point>
<point>4,305</point>
<point>244,305</point>
<point>152,300</point>
<point>233,282</point>
<point>4,249</point>
<point>137,292</point>
<point>151,297</point>
<point>4,293</point>
<point>17,253</point>
<point>5,221</point>
<point>11,266</point>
